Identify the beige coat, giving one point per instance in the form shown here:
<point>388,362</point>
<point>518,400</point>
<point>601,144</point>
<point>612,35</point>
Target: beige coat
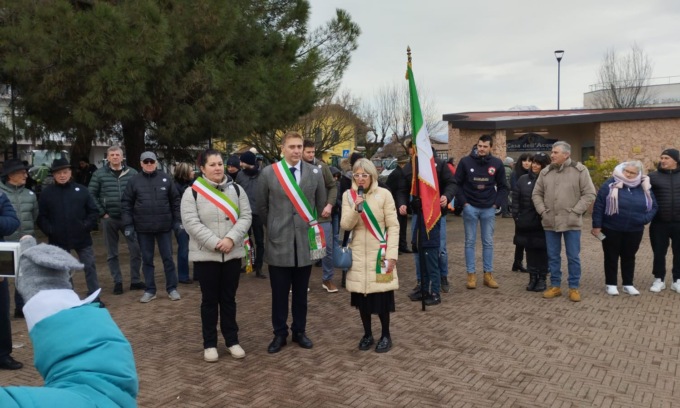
<point>361,278</point>
<point>207,225</point>
<point>562,195</point>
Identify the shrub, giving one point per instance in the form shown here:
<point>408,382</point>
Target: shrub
<point>600,172</point>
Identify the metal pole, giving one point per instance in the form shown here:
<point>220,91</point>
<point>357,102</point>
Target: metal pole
<point>558,84</point>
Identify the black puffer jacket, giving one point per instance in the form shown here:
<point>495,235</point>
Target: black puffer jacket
<point>447,183</point>
<point>666,188</point>
<point>67,213</point>
<point>528,228</point>
<point>151,203</point>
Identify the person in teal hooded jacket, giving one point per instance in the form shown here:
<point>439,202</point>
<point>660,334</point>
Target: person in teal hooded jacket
<point>71,339</point>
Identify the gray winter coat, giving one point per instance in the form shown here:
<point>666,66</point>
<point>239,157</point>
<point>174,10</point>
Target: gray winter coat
<point>286,231</point>
<point>25,204</point>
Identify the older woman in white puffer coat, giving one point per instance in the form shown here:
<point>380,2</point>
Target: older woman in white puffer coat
<point>372,279</point>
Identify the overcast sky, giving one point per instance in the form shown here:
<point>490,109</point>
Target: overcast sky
<point>492,55</point>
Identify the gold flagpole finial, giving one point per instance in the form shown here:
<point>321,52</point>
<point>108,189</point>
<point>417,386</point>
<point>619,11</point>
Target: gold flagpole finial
<point>408,64</point>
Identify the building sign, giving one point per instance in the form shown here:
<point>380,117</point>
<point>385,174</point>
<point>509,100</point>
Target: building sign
<point>345,153</point>
<point>530,142</point>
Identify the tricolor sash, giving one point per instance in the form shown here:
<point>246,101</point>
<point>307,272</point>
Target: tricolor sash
<point>372,225</point>
<point>228,207</point>
<point>317,240</point>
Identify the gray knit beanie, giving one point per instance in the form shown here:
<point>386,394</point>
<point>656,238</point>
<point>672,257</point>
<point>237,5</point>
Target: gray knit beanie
<point>43,267</point>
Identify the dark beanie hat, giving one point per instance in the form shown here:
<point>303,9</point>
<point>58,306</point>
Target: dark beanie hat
<point>249,158</point>
<point>673,153</point>
<point>234,161</point>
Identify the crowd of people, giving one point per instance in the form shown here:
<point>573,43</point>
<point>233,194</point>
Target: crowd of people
<point>237,215</point>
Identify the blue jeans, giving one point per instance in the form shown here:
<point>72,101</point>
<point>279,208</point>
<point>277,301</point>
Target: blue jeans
<point>443,258</point>
<point>572,244</point>
<point>327,261</point>
<point>146,244</point>
<point>487,221</point>
<point>182,254</point>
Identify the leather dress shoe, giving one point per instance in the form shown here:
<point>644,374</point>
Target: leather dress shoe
<point>405,250</point>
<point>366,342</point>
<point>8,363</point>
<point>138,286</point>
<point>384,345</point>
<point>302,340</point>
<point>276,344</point>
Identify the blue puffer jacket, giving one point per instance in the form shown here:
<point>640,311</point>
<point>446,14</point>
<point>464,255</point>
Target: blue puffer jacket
<point>85,360</point>
<point>25,204</point>
<point>632,215</point>
<point>8,217</point>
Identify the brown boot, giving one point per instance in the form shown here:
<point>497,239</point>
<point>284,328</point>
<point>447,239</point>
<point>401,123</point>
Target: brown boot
<point>552,292</point>
<point>471,280</point>
<point>490,281</point>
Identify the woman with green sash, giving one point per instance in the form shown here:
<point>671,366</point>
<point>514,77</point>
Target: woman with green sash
<point>216,215</point>
<point>368,211</point>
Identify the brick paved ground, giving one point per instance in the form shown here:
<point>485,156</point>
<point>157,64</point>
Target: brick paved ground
<point>479,348</point>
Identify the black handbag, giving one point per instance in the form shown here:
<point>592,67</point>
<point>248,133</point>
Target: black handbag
<point>342,255</point>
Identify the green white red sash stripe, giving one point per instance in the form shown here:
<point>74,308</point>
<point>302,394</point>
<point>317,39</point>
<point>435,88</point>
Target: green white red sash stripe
<point>231,209</point>
<point>317,240</point>
<point>215,196</point>
<point>373,227</point>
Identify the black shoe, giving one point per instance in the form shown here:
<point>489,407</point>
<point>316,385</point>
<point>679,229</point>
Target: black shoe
<point>415,295</point>
<point>259,274</point>
<point>8,363</point>
<point>445,284</point>
<point>276,344</point>
<point>97,300</point>
<point>18,314</point>
<point>517,267</point>
<point>540,282</point>
<point>405,250</point>
<point>533,280</point>
<point>186,281</point>
<point>302,340</point>
<point>318,264</point>
<point>366,343</point>
<point>118,288</point>
<point>384,345</point>
<point>138,286</point>
<point>433,299</point>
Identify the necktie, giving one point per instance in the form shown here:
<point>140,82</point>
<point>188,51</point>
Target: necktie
<point>292,171</point>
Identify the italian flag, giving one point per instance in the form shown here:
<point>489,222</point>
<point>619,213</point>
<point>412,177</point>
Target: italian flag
<point>427,187</point>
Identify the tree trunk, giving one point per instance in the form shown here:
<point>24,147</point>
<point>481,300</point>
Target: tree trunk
<point>133,139</point>
<point>82,145</point>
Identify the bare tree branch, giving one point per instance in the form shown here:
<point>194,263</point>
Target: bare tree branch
<point>623,79</point>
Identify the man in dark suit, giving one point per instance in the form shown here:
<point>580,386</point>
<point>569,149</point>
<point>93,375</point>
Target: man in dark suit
<point>288,246</point>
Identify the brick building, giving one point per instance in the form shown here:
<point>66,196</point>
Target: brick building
<point>641,133</point>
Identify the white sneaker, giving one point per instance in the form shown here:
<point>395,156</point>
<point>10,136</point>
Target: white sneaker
<point>657,286</point>
<point>210,355</point>
<point>236,351</point>
<point>676,286</point>
<point>612,290</point>
<point>147,297</point>
<point>631,290</point>
<point>174,295</point>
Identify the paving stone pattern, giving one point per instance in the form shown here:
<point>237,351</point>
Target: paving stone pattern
<point>479,348</point>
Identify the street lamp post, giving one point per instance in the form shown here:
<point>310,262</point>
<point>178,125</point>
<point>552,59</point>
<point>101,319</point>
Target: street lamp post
<point>558,55</point>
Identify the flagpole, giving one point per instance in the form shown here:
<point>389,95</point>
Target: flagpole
<point>417,206</point>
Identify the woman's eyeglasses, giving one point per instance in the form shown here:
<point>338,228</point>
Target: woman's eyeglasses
<point>361,175</point>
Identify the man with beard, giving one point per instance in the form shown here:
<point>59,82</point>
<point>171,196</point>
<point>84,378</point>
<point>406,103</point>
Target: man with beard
<point>482,189</point>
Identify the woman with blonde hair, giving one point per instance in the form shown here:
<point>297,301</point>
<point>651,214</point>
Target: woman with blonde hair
<point>368,211</point>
